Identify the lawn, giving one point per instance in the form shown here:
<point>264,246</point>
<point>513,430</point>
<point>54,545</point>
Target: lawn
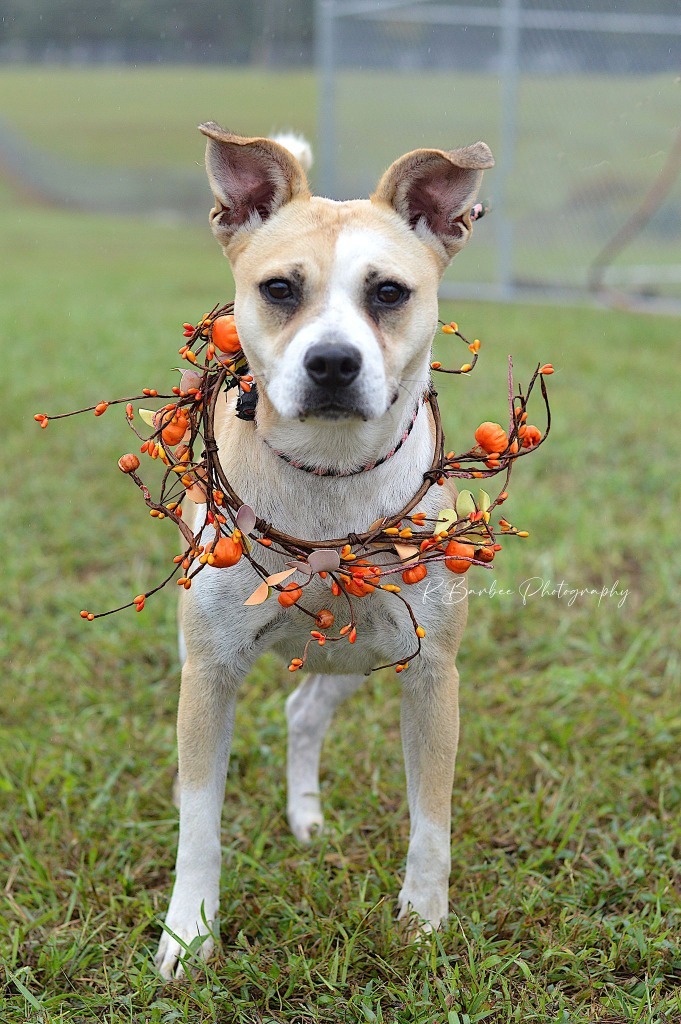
<point>565,896</point>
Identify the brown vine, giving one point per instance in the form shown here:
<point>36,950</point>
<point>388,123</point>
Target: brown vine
<point>460,537</point>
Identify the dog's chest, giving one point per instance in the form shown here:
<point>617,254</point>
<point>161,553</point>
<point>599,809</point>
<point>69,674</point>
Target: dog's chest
<point>314,508</point>
<point>232,630</point>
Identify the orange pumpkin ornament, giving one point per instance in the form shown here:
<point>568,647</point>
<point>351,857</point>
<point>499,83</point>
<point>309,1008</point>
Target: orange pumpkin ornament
<point>226,552</point>
<point>458,556</point>
<point>225,336</point>
<point>363,580</point>
<point>175,423</point>
<point>415,574</point>
<point>491,437</point>
<point>531,437</point>
<point>291,594</point>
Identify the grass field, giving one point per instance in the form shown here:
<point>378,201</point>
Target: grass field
<point>566,880</point>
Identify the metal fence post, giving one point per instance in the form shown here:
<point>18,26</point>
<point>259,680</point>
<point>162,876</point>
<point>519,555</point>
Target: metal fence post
<point>326,117</point>
<point>510,72</point>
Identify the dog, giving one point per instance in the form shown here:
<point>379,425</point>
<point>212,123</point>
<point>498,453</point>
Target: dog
<point>336,308</point>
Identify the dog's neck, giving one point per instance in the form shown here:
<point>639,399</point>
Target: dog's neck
<point>342,447</point>
<point>306,505</point>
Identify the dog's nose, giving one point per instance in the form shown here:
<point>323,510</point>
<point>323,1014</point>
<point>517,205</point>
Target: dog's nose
<point>332,366</point>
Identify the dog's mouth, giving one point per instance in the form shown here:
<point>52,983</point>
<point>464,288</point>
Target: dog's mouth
<point>336,404</point>
<point>332,411</point>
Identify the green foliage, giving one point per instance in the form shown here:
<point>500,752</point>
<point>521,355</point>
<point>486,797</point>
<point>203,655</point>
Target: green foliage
<point>566,837</point>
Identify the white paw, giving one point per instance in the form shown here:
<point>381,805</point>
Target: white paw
<point>421,912</point>
<point>183,944</point>
<point>305,817</point>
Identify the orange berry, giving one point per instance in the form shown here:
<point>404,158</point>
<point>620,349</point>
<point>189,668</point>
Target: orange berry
<point>325,619</point>
<point>128,463</point>
<point>101,408</point>
<point>546,369</point>
<point>458,556</point>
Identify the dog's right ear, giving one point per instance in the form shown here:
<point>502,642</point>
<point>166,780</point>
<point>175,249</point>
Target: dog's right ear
<point>433,190</point>
<point>250,178</point>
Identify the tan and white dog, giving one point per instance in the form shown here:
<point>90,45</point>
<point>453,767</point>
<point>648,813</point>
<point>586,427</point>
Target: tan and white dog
<point>336,307</point>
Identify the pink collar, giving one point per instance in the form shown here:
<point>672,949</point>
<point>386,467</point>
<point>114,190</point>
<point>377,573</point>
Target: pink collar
<point>327,471</point>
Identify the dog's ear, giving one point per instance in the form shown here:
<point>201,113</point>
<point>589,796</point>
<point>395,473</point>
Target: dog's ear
<point>250,178</point>
<point>433,191</point>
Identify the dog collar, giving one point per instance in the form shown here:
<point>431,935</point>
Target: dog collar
<point>326,471</point>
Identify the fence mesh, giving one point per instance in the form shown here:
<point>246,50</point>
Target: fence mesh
<point>580,107</point>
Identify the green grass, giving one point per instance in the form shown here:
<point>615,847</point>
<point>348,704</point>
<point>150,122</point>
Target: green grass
<point>146,117</point>
<point>566,839</point>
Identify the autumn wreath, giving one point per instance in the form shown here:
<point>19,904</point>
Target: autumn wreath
<point>182,438</point>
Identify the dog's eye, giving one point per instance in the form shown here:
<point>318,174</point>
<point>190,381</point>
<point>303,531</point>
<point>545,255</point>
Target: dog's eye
<point>390,293</point>
<point>277,290</point>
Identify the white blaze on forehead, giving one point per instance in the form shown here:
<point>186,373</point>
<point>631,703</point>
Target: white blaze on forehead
<point>360,249</point>
<point>342,319</point>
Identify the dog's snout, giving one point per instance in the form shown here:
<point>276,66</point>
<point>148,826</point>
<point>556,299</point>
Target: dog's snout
<point>332,366</point>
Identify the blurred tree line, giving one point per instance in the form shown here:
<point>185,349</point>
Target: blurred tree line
<point>217,31</point>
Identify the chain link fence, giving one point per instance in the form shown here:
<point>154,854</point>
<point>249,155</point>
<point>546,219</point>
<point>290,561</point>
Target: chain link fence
<point>580,107</point>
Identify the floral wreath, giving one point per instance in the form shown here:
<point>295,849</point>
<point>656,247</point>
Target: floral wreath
<point>183,440</point>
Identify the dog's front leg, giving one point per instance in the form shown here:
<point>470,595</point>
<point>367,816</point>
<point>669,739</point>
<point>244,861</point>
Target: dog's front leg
<point>430,734</point>
<point>204,733</point>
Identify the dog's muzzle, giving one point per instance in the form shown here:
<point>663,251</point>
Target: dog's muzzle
<point>332,370</point>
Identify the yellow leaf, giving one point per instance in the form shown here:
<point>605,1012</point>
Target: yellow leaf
<point>147,415</point>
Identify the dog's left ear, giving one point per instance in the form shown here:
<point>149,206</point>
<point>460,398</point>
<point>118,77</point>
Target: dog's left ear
<point>250,178</point>
<point>433,191</point>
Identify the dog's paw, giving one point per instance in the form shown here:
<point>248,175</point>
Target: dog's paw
<point>420,913</point>
<point>182,946</point>
<point>305,818</point>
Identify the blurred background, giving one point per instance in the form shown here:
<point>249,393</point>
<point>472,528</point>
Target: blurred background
<point>579,102</point>
<point>567,814</point>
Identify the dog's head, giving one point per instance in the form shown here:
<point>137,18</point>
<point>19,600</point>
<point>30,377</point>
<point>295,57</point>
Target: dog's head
<point>336,302</point>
